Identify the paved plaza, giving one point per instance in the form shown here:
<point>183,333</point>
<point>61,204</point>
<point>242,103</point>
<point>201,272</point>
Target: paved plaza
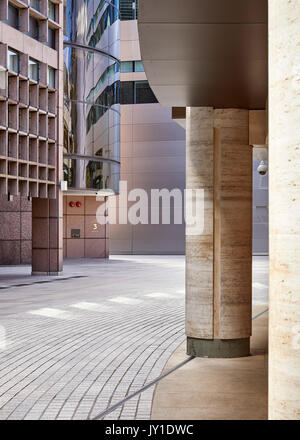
<point>77,344</point>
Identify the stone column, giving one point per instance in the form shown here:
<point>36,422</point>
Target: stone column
<point>284,161</point>
<point>47,236</point>
<point>47,214</point>
<point>219,259</point>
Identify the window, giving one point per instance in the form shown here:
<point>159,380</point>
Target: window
<point>109,97</point>
<point>33,69</point>
<point>126,92</point>
<point>13,60</point>
<point>132,66</point>
<point>33,28</point>
<point>51,10</point>
<point>128,9</point>
<point>143,93</point>
<point>51,37</point>
<point>35,4</point>
<point>126,66</point>
<point>136,92</point>
<point>51,77</point>
<point>138,66</point>
<point>94,171</point>
<point>13,16</point>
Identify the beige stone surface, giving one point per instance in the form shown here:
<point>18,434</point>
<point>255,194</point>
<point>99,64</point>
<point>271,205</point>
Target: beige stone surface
<point>257,127</point>
<point>219,260</point>
<point>233,225</point>
<point>217,389</point>
<point>200,248</point>
<point>284,156</point>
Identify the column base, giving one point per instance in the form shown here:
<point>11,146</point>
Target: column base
<point>218,348</point>
<point>50,274</point>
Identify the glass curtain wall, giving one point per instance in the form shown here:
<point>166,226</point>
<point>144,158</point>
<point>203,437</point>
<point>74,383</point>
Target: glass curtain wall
<point>129,9</point>
<point>91,94</point>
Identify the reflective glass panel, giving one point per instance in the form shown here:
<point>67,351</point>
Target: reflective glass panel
<point>138,66</point>
<point>126,66</point>
<point>143,93</point>
<point>91,94</point>
<point>89,174</point>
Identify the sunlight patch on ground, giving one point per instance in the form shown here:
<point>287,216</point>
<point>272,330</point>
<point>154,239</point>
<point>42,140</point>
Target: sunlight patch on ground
<point>52,313</point>
<point>124,300</point>
<point>93,307</point>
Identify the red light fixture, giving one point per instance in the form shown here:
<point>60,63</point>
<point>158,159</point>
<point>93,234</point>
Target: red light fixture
<point>72,204</point>
<point>78,204</point>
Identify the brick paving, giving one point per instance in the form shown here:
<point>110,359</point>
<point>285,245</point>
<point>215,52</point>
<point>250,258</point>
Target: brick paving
<point>78,344</point>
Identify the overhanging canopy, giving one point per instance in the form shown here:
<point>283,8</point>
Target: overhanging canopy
<point>206,52</point>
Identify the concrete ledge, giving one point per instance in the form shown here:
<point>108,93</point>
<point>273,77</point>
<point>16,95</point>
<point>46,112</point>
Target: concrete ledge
<point>218,348</point>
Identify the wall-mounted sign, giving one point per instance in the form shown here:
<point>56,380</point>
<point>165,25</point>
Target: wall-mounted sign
<point>75,233</point>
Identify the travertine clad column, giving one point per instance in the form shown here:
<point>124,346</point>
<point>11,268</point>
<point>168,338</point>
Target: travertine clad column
<point>200,248</point>
<point>219,260</point>
<point>47,236</point>
<point>284,158</point>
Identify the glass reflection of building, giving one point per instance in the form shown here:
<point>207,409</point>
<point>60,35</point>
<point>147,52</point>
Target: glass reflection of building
<point>91,95</point>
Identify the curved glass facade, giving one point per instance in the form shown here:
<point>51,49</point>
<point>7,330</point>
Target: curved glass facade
<point>91,94</point>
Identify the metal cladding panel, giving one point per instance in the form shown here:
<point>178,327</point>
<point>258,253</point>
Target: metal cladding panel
<point>206,52</point>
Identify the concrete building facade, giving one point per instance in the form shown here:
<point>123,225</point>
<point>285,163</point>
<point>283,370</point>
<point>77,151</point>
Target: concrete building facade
<point>31,131</point>
<point>60,121</point>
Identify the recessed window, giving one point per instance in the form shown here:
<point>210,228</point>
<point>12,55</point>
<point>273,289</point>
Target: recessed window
<point>132,66</point>
<point>126,92</point>
<point>51,37</point>
<point>129,9</point>
<point>33,69</point>
<point>136,92</point>
<point>35,4</point>
<point>126,66</point>
<point>13,60</point>
<point>51,77</point>
<point>143,93</point>
<point>34,28</point>
<point>51,10</point>
<point>138,66</point>
<point>13,16</point>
